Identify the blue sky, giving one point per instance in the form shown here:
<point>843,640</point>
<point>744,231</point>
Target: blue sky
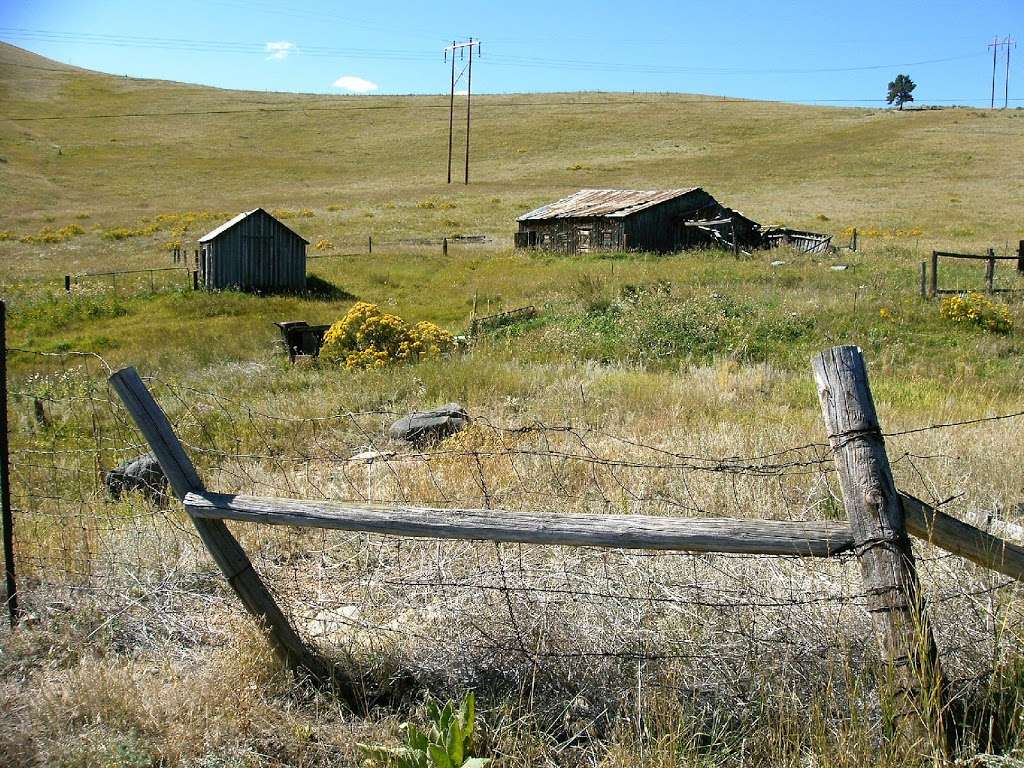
<point>844,52</point>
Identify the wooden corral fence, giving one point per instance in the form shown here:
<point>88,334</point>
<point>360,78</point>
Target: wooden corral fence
<point>804,242</point>
<point>879,519</point>
<point>990,260</point>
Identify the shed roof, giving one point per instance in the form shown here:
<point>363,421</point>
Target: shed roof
<point>613,203</point>
<point>213,233</point>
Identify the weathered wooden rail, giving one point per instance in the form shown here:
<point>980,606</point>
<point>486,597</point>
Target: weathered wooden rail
<point>990,260</point>
<point>876,532</point>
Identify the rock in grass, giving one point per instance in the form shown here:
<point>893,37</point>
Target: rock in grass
<point>143,474</point>
<point>425,427</point>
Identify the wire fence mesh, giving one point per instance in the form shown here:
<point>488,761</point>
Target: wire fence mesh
<point>584,631</point>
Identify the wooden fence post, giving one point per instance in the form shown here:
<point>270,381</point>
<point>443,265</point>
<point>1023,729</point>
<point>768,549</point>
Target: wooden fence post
<point>225,549</point>
<point>195,280</point>
<point>935,275</point>
<point>5,480</point>
<point>915,681</point>
<point>990,270</point>
<point>1020,257</point>
<point>444,246</point>
<point>67,283</point>
<point>924,280</point>
<point>369,244</point>
<point>853,241</point>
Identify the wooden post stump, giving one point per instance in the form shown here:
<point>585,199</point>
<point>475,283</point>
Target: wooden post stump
<point>914,680</point>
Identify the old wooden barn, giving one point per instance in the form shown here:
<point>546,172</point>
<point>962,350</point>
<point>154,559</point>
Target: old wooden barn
<point>627,219</point>
<point>253,252</point>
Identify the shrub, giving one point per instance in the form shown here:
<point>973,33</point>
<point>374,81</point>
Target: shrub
<point>368,338</point>
<point>977,309</point>
<point>48,235</point>
<point>323,244</point>
<point>432,204</point>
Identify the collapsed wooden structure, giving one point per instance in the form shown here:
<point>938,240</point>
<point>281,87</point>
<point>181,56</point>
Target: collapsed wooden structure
<point>660,220</point>
<point>879,519</point>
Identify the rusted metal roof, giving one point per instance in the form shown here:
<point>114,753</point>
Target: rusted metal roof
<point>213,233</point>
<point>612,203</point>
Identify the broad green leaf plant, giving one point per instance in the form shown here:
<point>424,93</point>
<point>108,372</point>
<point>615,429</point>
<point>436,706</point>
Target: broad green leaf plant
<point>444,744</point>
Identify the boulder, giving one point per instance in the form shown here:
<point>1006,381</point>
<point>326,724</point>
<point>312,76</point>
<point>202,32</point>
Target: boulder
<point>143,474</point>
<point>425,427</point>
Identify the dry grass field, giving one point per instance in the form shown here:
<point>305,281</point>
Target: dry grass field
<point>663,385</point>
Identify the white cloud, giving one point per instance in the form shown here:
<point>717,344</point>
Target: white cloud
<point>355,84</point>
<point>462,93</point>
<point>279,51</point>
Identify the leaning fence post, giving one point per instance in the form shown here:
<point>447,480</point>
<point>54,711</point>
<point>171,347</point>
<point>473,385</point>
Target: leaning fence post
<point>225,549</point>
<point>875,512</point>
<point>5,480</point>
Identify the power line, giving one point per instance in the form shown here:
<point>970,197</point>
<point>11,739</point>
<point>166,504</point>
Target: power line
<point>502,60</point>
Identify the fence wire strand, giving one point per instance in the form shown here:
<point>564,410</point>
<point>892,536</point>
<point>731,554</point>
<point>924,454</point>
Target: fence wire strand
<point>573,621</point>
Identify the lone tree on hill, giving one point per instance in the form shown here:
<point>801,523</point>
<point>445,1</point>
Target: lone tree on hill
<point>900,91</point>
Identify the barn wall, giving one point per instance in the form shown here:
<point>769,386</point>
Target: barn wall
<point>257,254</point>
<point>564,234</point>
<point>658,228</point>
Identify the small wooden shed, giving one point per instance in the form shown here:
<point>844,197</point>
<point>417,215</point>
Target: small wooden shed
<point>253,252</point>
<point>627,219</point>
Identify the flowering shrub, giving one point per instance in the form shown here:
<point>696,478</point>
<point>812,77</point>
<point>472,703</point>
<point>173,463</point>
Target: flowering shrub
<point>366,337</point>
<point>47,235</point>
<point>323,244</point>
<point>977,309</point>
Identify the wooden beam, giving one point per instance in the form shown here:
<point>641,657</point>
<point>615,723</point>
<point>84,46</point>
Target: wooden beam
<point>916,684</point>
<point>761,537</point>
<point>936,527</point>
<point>707,222</point>
<point>225,549</point>
<point>974,257</point>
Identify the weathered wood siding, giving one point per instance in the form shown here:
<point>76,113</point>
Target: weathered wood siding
<point>257,254</point>
<point>658,228</point>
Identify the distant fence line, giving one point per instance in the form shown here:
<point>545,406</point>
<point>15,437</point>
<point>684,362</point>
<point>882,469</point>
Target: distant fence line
<point>191,276</point>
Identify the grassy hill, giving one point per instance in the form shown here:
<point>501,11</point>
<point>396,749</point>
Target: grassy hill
<point>948,173</point>
<point>652,358</point>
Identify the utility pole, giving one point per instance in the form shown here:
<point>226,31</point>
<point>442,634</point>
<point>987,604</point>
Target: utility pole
<point>995,45</point>
<point>468,71</point>
<point>1010,43</point>
<point>469,100</point>
<point>451,111</point>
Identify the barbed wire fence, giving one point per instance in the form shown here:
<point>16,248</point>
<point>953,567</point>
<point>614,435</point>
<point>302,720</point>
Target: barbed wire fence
<point>582,634</point>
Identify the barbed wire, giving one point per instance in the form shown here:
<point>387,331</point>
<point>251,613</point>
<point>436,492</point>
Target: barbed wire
<point>578,618</point>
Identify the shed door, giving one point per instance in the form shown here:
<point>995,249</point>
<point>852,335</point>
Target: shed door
<point>583,240</point>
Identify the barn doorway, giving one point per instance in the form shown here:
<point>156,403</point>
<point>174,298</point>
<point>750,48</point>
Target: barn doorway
<point>583,240</point>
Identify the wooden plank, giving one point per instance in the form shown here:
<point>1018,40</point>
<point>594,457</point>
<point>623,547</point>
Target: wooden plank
<point>936,527</point>
<point>764,537</point>
<point>973,257</point>
<point>916,683</point>
<point>225,549</point>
